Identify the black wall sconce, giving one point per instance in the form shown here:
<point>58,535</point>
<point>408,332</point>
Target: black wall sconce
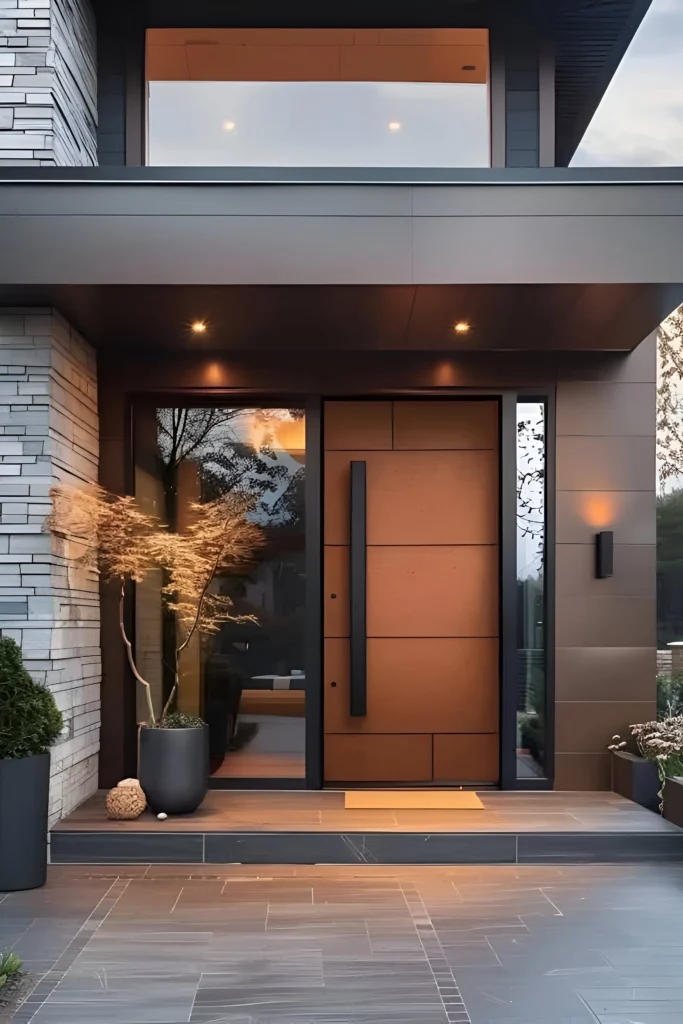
<point>604,554</point>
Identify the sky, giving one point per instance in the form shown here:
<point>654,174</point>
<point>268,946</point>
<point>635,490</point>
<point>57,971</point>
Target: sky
<point>640,120</point>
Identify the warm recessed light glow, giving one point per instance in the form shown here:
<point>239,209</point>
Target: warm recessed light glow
<point>228,126</point>
<point>198,326</point>
<point>394,126</point>
<point>462,327</point>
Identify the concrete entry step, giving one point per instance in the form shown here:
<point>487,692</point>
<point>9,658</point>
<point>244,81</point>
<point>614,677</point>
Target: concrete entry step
<point>314,827</point>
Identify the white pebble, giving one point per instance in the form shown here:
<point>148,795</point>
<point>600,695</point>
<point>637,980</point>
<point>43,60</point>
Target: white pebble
<point>162,816</point>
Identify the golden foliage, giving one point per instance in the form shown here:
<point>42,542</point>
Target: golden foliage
<point>219,539</point>
<point>113,534</point>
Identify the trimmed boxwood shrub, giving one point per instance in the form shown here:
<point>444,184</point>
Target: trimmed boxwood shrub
<point>30,721</point>
<point>181,720</point>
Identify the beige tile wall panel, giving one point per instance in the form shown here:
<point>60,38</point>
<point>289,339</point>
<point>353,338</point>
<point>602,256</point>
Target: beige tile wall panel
<point>605,463</point>
<point>604,409</point>
<point>605,621</point>
<point>635,571</point>
<point>589,674</point>
<point>582,771</point>
<point>587,727</point>
<point>631,514</point>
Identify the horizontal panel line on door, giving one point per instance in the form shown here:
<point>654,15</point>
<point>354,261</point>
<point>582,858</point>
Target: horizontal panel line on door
<point>421,636</point>
<point>436,451</point>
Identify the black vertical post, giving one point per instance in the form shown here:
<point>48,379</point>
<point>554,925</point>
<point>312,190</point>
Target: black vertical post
<point>549,588</point>
<point>357,591</point>
<point>313,628</point>
<point>508,591</point>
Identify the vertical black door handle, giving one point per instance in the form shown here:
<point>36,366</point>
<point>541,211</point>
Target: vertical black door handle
<point>358,591</point>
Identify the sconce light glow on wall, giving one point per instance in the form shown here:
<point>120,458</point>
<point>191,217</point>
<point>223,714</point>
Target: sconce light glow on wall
<point>604,554</point>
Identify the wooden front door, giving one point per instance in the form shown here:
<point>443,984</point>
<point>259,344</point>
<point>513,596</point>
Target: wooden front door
<point>411,569</point>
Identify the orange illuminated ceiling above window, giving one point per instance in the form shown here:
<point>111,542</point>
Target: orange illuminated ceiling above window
<point>318,55</point>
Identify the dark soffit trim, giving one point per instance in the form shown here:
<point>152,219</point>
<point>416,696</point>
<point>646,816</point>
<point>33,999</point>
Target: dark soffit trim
<point>540,176</point>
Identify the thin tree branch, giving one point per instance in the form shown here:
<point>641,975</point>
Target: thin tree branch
<point>131,660</point>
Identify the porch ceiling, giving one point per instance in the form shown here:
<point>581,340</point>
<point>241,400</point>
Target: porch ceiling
<point>400,317</point>
<point>346,259</point>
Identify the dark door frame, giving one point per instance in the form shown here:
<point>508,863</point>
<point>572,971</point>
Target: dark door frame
<point>507,399</point>
<point>313,405</point>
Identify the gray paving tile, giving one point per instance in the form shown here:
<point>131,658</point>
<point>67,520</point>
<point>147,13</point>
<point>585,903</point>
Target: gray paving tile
<point>354,945</point>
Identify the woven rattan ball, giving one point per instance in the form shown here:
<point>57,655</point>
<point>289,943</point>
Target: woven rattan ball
<point>125,803</point>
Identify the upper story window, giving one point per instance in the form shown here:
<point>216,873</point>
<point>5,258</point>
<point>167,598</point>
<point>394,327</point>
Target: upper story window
<point>318,97</point>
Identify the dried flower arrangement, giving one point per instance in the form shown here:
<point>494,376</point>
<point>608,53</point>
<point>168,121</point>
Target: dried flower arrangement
<point>660,741</point>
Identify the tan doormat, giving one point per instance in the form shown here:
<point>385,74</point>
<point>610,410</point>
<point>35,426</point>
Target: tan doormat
<point>413,799</point>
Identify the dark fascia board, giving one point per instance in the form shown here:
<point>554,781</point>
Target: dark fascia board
<point>343,176</point>
<point>568,139</point>
<point>176,227</point>
<point>207,14</point>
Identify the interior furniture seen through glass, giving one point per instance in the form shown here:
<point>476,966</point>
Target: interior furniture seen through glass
<point>246,677</point>
<point>314,98</point>
<point>531,539</point>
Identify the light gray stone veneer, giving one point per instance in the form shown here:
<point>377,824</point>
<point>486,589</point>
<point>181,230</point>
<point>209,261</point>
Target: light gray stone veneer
<point>48,603</point>
<point>48,83</point>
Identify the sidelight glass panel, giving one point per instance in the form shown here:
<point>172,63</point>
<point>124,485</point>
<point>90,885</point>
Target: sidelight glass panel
<point>531,540</point>
<point>245,675</point>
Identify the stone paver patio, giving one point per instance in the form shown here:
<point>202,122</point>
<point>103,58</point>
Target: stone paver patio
<point>173,944</point>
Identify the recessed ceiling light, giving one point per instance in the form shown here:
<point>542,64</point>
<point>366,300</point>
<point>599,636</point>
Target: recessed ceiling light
<point>198,326</point>
<point>228,126</point>
<point>394,126</point>
<point>462,327</point>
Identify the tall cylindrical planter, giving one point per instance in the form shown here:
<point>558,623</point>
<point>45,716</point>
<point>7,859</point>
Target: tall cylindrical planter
<point>174,768</point>
<point>24,790</point>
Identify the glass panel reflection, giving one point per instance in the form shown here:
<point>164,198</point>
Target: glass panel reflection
<point>531,668</point>
<point>319,124</point>
<point>247,678</point>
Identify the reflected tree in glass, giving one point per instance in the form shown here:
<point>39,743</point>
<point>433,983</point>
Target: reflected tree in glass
<point>531,703</point>
<point>238,676</point>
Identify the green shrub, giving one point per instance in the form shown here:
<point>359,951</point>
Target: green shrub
<point>669,696</point>
<point>180,720</point>
<point>30,721</point>
<point>10,965</point>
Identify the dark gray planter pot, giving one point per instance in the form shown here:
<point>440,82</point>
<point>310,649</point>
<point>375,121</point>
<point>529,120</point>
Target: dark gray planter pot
<point>673,801</point>
<point>24,789</point>
<point>174,768</point>
<point>636,779</point>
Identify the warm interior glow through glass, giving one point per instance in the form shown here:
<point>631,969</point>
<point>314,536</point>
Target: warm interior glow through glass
<point>338,97</point>
<point>246,678</point>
